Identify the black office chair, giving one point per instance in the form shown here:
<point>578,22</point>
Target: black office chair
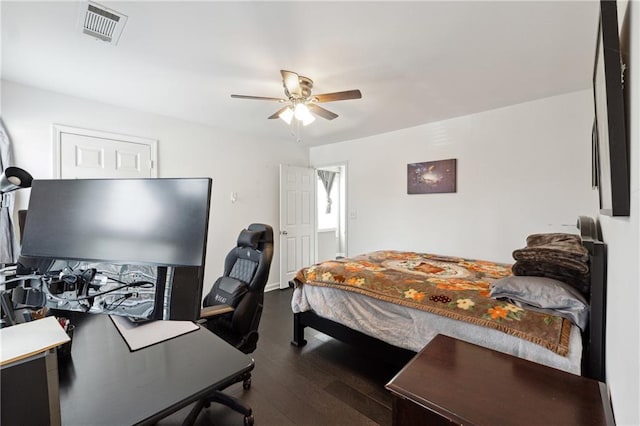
<point>233,307</point>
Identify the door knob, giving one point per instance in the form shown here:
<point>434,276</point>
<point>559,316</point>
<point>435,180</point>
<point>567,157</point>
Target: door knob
<point>284,233</point>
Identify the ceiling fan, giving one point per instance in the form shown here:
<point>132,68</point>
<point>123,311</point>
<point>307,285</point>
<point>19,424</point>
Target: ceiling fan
<point>301,103</point>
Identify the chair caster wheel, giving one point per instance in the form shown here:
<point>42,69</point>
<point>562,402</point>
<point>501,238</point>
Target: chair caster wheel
<point>248,420</point>
<point>246,384</point>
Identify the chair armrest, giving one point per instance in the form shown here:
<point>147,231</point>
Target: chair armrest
<point>212,311</point>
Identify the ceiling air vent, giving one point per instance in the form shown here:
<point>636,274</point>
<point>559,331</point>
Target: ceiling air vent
<point>103,23</point>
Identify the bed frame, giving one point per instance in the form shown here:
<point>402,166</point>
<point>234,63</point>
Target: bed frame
<point>593,339</point>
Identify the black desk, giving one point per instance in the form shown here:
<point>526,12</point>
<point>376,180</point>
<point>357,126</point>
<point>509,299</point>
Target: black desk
<point>103,383</point>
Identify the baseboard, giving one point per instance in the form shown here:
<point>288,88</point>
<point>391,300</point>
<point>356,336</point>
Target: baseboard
<point>272,286</point>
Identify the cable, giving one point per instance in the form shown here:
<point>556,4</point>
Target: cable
<point>143,274</point>
<point>23,277</point>
<point>151,284</point>
<point>93,296</point>
<point>11,268</point>
<point>121,300</point>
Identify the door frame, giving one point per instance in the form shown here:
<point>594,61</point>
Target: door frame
<point>60,129</point>
<point>345,219</point>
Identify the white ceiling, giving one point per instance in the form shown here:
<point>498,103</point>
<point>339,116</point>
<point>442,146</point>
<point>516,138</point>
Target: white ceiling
<point>415,62</point>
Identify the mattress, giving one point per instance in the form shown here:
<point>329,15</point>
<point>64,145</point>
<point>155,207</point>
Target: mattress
<point>412,329</point>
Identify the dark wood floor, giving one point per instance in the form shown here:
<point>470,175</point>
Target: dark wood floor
<point>324,383</point>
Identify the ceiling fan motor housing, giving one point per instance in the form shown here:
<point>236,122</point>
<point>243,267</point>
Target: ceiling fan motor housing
<point>306,84</point>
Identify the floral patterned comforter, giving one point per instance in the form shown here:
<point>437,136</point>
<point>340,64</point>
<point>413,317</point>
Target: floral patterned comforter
<point>453,287</point>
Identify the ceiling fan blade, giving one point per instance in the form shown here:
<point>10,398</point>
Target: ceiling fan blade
<point>324,113</point>
<point>258,98</point>
<point>277,113</point>
<point>291,82</point>
<point>338,96</point>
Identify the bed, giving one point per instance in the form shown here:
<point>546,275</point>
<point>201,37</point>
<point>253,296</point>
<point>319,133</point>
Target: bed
<point>395,330</point>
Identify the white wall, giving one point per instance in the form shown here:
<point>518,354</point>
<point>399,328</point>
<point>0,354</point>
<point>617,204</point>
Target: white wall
<point>521,169</point>
<point>248,167</point>
<point>622,236</point>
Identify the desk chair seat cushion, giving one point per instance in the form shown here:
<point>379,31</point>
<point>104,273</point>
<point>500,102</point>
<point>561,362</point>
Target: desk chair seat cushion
<point>227,291</point>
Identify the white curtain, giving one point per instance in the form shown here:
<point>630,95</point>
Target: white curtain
<point>327,179</point>
<point>8,243</point>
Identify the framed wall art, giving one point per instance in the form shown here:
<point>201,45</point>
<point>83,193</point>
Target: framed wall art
<point>431,177</point>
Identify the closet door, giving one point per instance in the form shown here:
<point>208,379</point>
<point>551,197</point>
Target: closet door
<point>84,154</point>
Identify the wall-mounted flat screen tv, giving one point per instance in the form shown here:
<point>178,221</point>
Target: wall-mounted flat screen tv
<point>610,135</point>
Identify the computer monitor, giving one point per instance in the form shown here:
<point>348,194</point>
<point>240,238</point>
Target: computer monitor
<point>149,230</point>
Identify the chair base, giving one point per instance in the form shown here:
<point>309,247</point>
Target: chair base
<point>221,398</point>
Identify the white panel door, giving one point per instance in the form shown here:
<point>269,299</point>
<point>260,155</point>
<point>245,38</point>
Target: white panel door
<point>83,154</point>
<point>297,220</point>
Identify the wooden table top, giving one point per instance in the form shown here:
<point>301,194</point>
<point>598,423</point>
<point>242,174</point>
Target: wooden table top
<point>472,385</point>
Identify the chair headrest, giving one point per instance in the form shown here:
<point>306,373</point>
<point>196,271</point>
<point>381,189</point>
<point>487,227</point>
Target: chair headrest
<point>265,230</point>
<point>249,239</point>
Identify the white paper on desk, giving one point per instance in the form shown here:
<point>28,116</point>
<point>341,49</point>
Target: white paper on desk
<point>24,340</point>
<point>141,335</point>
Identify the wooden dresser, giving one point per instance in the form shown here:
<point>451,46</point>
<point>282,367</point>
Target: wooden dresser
<point>454,382</point>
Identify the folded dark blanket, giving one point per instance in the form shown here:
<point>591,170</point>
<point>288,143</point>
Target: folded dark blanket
<point>563,250</point>
<point>557,259</point>
<point>554,255</point>
<point>571,240</point>
<point>575,278</point>
<point>562,246</point>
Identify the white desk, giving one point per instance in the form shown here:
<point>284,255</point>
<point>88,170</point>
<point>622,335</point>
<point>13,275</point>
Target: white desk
<point>30,372</point>
<point>30,338</point>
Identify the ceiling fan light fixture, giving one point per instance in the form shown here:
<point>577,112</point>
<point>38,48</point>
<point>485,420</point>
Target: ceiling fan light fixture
<point>302,112</point>
<point>301,108</point>
<point>308,120</point>
<point>287,115</point>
